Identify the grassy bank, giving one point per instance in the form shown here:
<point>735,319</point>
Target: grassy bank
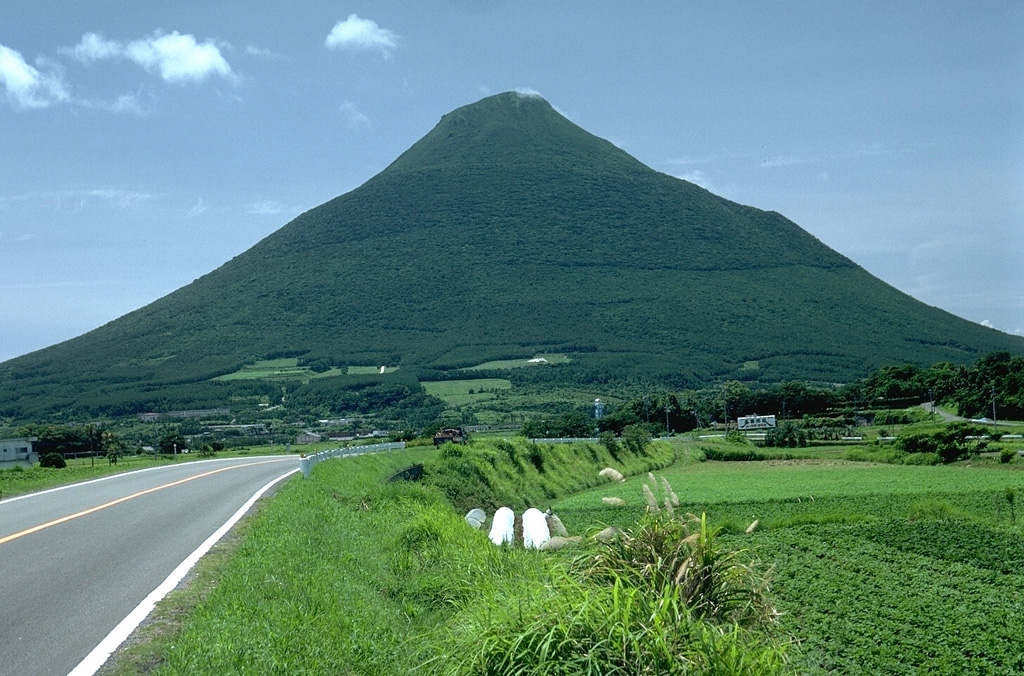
<point>346,574</point>
<point>518,473</point>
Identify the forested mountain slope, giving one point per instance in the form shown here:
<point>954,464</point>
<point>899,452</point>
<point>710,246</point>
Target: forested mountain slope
<point>507,231</point>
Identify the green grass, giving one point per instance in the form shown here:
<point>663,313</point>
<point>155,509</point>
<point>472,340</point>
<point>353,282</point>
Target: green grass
<point>284,369</point>
<point>343,574</point>
<point>878,568</point>
<point>369,370</point>
<point>502,364</point>
<point>18,481</point>
<point>462,392</point>
<point>309,589</point>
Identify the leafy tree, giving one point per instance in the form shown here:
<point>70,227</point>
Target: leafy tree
<point>786,435</point>
<point>57,439</point>
<point>54,460</point>
<point>172,443</point>
<point>112,446</point>
<point>617,420</point>
<point>572,424</point>
<point>636,437</point>
<point>917,443</point>
<point>953,440</point>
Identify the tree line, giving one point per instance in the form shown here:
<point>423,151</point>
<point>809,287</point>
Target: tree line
<point>994,380</point>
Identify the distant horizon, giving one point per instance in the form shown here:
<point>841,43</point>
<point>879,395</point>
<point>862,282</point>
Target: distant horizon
<point>155,143</point>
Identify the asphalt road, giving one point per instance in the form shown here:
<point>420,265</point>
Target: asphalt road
<point>76,561</point>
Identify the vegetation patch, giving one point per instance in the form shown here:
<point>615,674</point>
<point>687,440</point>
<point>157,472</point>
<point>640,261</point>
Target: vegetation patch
<point>366,370</point>
<point>877,568</point>
<point>462,392</point>
<point>536,360</point>
<point>519,473</point>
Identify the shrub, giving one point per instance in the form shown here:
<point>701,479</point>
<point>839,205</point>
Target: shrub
<point>636,437</point>
<point>741,454</point>
<point>934,509</point>
<point>787,435</point>
<point>736,437</point>
<point>663,552</point>
<point>54,460</point>
<point>1006,455</point>
<point>921,459</point>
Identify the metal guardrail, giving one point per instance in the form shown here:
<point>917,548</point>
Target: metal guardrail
<point>592,440</point>
<point>566,440</point>
<point>306,462</point>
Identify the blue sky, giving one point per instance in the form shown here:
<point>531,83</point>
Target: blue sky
<point>145,144</point>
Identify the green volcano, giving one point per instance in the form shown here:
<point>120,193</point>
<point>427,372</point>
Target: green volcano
<point>505,232</point>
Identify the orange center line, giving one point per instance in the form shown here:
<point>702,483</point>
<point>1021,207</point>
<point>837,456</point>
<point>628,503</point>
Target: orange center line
<point>86,512</point>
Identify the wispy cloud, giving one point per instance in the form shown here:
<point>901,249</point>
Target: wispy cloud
<point>198,208</point>
<point>253,50</point>
<point>123,199</point>
<point>175,57</point>
<point>27,86</point>
<point>360,34</point>
<point>780,161</point>
<point>528,92</point>
<point>126,103</point>
<point>687,160</point>
<point>696,176</point>
<point>265,208</point>
<point>870,150</point>
<point>355,117</point>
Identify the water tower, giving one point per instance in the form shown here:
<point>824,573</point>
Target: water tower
<point>598,409</point>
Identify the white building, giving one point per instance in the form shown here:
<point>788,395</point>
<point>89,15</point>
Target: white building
<point>18,452</point>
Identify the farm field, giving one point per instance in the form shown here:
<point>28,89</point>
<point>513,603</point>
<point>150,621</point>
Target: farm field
<point>502,404</point>
<point>459,393</point>
<point>276,369</point>
<point>880,569</point>
<point>520,363</point>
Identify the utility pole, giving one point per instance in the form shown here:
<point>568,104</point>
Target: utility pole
<point>994,423</point>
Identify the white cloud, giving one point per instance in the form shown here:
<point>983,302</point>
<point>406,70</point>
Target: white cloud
<point>126,103</point>
<point>355,117</point>
<point>265,208</point>
<point>93,47</point>
<point>176,57</point>
<point>60,199</point>
<point>687,160</point>
<point>27,86</point>
<point>696,176</point>
<point>361,34</point>
<point>779,161</point>
<point>527,92</point>
<point>253,50</point>
<point>198,208</point>
<point>987,323</point>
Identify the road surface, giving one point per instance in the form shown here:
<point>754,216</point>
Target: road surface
<point>75,561</point>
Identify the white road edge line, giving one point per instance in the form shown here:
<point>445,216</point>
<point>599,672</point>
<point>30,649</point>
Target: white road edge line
<point>95,659</point>
<point>134,471</point>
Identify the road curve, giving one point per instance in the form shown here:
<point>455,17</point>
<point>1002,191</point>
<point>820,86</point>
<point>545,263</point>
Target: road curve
<point>77,560</point>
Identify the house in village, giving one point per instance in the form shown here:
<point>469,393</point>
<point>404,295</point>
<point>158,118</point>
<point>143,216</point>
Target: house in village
<point>18,452</point>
